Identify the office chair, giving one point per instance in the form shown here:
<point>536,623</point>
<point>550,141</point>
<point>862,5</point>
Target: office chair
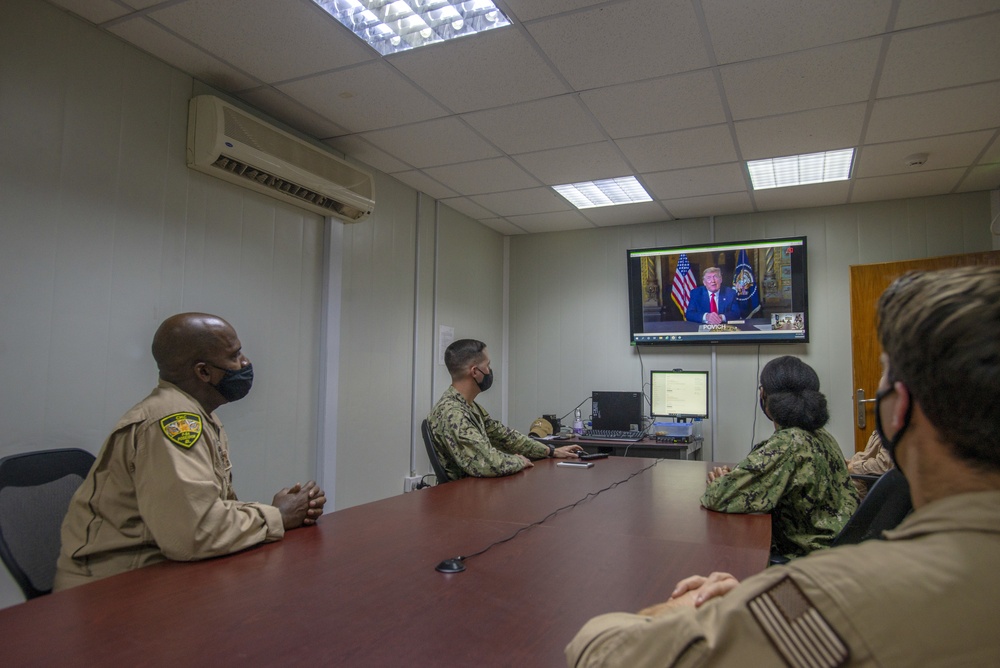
<point>439,472</point>
<point>35,489</point>
<point>884,507</point>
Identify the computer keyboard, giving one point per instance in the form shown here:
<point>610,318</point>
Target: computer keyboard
<point>610,435</point>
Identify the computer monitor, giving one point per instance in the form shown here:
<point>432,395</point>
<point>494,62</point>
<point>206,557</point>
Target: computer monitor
<point>619,411</point>
<point>678,394</point>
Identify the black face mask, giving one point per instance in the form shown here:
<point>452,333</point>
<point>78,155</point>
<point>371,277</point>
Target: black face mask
<point>487,381</point>
<point>236,383</point>
<point>763,405</point>
<point>890,445</point>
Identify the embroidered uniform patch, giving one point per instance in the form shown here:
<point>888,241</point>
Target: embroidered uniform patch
<point>184,429</point>
<point>797,629</point>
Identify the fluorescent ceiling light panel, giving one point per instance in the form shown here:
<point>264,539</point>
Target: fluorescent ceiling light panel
<point>798,170</point>
<point>391,26</point>
<point>608,192</point>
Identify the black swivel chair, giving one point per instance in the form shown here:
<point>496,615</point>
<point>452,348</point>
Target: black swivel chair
<point>35,489</point>
<point>439,472</point>
<point>884,507</point>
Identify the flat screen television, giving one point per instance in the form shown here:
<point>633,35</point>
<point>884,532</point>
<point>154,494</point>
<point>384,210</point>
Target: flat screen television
<point>678,394</point>
<point>760,286</point>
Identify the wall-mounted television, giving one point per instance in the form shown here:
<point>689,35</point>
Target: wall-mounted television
<point>678,394</point>
<point>715,293</point>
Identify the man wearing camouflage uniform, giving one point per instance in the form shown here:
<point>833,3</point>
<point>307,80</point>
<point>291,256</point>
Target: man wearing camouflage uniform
<point>468,442</point>
<point>798,475</point>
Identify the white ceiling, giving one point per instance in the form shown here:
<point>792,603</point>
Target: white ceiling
<point>678,93</point>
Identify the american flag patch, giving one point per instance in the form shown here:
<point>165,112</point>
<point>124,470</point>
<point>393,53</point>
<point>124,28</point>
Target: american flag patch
<point>797,629</point>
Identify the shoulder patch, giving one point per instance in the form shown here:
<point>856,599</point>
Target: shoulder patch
<point>183,429</point>
<point>800,633</point>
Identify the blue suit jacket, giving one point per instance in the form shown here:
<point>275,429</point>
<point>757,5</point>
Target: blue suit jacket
<point>725,302</point>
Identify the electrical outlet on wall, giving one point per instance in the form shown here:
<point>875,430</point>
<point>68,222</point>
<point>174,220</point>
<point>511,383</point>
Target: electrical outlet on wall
<point>410,483</point>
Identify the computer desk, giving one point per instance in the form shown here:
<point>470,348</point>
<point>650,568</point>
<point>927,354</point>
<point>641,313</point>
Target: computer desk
<point>360,588</point>
<point>644,447</point>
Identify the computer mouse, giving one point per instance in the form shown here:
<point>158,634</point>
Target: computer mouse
<point>450,566</point>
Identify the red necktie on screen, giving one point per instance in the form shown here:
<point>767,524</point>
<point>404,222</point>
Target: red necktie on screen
<point>712,307</point>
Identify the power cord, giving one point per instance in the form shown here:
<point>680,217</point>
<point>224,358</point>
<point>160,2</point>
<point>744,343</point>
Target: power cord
<point>553,514</point>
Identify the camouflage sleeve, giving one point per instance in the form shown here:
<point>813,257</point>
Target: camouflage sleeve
<point>513,441</point>
<point>472,452</point>
<point>756,484</point>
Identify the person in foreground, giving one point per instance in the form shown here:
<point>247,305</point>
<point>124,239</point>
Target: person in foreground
<point>161,487</point>
<point>700,307</point>
<point>468,442</point>
<point>798,474</point>
<point>938,579</point>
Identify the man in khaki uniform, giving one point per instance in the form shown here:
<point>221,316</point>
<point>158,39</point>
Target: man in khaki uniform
<point>931,605</point>
<point>161,487</point>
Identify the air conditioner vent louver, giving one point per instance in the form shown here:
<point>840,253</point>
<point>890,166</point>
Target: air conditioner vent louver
<point>227,142</point>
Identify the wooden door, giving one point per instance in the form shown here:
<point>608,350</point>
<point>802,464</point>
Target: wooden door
<point>868,281</point>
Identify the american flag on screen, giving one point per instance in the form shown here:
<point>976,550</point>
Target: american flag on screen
<point>684,283</point>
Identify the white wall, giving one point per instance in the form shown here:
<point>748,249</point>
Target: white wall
<point>104,232</point>
<point>569,320</point>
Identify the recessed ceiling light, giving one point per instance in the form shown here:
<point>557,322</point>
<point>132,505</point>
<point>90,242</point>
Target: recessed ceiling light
<point>798,170</point>
<point>391,26</point>
<point>607,192</point>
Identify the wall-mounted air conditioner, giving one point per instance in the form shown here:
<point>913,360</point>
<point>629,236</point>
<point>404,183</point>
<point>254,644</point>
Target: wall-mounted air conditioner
<point>229,143</point>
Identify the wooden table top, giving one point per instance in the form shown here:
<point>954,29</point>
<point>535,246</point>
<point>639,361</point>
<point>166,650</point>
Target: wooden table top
<point>360,588</point>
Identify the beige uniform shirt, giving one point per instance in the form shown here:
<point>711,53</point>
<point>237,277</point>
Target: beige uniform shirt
<point>873,460</point>
<point>161,488</point>
<point>933,604</point>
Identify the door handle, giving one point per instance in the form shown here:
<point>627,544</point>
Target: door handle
<point>859,398</point>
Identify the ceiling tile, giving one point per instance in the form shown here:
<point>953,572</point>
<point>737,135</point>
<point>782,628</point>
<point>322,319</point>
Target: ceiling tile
<point>366,97</point>
<point>709,205</point>
<point>482,176</point>
<point>675,150</point>
<point>532,126</point>
<point>555,221</point>
<point>367,153</point>
<point>431,143</point>
<point>797,197</point>
<point>528,10</point>
<point>153,39</point>
<point>993,152</point>
<point>291,112</point>
<point>95,11</point>
<point>944,112</point>
<point>898,186</point>
<point>943,153</point>
<point>255,36</point>
<point>489,69</point>
<point>673,103</point>
<point>468,207</point>
<point>748,30</point>
<point>984,177</point>
<point>942,56</point>
<point>696,181</point>
<point>575,163</point>
<point>425,184</point>
<point>802,132</point>
<point>502,226</point>
<point>626,214</point>
<point>800,81</point>
<point>621,42</point>
<point>914,13</point>
<point>523,202</point>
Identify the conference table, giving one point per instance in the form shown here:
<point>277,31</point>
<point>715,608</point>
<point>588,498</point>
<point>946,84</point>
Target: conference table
<point>360,588</point>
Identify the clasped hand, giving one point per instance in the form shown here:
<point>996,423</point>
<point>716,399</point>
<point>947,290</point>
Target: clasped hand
<point>694,591</point>
<point>300,505</point>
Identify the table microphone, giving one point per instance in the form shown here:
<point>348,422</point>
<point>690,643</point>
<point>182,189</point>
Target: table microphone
<point>451,565</point>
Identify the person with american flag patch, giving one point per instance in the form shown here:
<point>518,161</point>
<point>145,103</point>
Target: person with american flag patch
<point>930,605</point>
<point>161,487</point>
